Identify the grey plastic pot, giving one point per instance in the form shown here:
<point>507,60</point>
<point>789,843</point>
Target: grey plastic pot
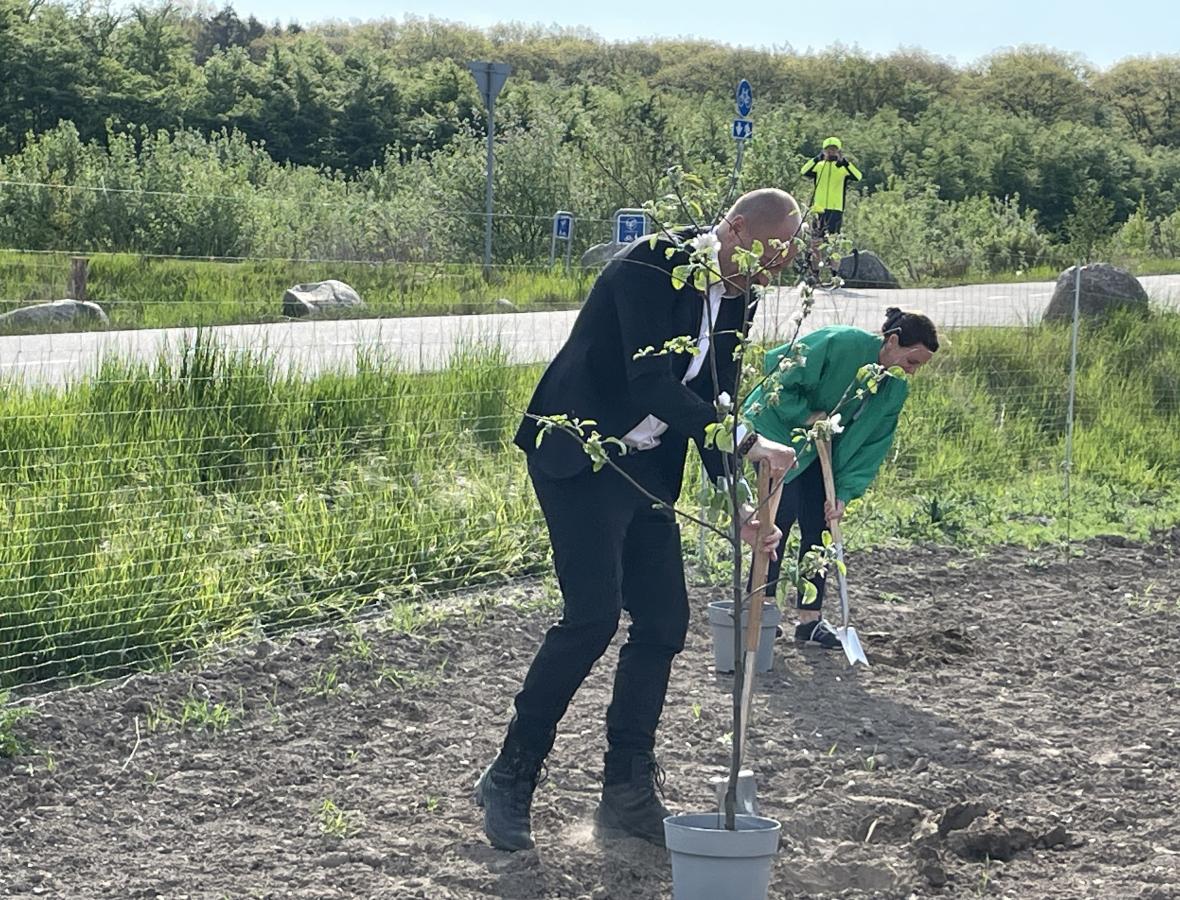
<point>721,618</point>
<point>710,862</point>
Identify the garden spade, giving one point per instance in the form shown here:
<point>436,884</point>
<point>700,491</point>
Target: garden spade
<point>768,498</point>
<point>845,632</point>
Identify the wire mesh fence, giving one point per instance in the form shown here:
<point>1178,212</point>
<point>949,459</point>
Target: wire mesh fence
<point>169,488</point>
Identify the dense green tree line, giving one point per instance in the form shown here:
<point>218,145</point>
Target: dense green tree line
<point>364,140</point>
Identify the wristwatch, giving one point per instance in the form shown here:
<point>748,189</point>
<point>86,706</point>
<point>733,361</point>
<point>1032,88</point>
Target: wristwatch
<point>747,443</point>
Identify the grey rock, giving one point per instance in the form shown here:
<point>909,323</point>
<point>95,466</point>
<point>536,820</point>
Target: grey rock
<point>320,298</point>
<point>1104,288</point>
<point>599,254</point>
<point>865,269</point>
<point>55,315</point>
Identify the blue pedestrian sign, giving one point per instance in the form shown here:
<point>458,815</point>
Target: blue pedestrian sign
<point>563,223</point>
<point>743,129</point>
<point>563,230</point>
<point>630,225</point>
<point>745,98</point>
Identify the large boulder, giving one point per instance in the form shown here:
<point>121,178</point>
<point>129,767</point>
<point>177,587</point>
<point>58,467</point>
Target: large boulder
<point>320,298</point>
<point>600,254</point>
<point>55,316</point>
<point>1104,288</point>
<point>864,269</point>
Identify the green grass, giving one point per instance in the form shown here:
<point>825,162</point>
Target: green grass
<point>151,510</point>
<point>149,292</point>
<point>1143,266</point>
<point>155,510</point>
<point>980,451</point>
<point>11,743</point>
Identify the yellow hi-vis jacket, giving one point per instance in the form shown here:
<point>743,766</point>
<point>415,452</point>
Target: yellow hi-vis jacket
<point>831,181</point>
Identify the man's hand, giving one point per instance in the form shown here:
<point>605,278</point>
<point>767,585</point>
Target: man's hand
<point>750,532</point>
<point>833,512</point>
<point>779,457</point>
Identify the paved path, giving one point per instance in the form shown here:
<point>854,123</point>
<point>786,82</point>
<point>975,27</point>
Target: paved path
<point>427,342</point>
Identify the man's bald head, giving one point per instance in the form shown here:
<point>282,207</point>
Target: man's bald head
<point>765,215</point>
<point>766,209</point>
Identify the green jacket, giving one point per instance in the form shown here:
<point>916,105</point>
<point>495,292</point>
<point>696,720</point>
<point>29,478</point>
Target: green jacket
<point>833,355</point>
<point>831,182</point>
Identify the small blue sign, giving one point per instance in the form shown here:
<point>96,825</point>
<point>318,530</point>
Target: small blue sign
<point>563,224</point>
<point>630,225</point>
<point>743,129</point>
<point>745,98</point>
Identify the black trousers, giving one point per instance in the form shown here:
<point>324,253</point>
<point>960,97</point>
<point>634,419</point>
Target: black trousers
<point>829,221</point>
<point>802,501</point>
<point>612,551</point>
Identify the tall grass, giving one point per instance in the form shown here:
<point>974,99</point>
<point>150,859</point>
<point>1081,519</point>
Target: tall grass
<point>157,292</point>
<point>153,509</point>
<point>980,452</point>
<point>156,508</point>
<point>152,292</point>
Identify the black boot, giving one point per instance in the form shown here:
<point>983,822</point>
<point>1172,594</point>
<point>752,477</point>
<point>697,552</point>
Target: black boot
<point>629,804</point>
<point>505,791</point>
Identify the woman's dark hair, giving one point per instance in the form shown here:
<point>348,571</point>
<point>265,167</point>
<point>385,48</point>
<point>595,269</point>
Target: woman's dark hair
<point>911,328</point>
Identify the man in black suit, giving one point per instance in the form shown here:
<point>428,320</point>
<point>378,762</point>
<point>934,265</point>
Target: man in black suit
<point>612,550</point>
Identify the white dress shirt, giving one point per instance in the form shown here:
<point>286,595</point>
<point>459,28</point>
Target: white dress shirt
<point>646,434</point>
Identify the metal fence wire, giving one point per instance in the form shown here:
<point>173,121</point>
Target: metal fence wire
<point>194,466</point>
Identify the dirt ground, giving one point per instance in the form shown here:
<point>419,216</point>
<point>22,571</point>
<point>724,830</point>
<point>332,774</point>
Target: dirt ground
<point>1016,736</point>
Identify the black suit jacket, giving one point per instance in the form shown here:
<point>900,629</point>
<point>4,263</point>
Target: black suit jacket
<point>596,376</point>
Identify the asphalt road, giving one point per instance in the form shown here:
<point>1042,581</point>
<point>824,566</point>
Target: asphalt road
<point>427,342</point>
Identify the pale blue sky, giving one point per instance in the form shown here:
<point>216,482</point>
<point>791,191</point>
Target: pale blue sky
<point>1101,30</point>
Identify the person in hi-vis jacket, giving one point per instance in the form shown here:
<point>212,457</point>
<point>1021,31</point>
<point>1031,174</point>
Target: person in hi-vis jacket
<point>831,172</point>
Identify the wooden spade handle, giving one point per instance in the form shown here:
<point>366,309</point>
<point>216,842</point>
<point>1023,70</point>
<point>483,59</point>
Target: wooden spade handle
<point>824,450</point>
<point>768,500</point>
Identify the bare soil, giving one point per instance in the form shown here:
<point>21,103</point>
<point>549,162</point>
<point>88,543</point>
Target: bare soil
<point>1016,736</point>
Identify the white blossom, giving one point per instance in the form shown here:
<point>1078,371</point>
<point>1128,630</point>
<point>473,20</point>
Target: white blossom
<point>708,243</point>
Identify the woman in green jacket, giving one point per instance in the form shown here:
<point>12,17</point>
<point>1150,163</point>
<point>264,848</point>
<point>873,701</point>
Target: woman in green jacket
<point>831,358</point>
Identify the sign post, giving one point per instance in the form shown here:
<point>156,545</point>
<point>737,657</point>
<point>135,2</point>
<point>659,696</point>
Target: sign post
<point>563,230</point>
<point>630,225</point>
<point>490,78</point>
<point>743,128</point>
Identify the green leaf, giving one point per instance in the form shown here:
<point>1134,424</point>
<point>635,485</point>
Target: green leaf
<point>745,494</point>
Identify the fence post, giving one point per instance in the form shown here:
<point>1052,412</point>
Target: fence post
<point>1069,414</point>
<point>76,287</point>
